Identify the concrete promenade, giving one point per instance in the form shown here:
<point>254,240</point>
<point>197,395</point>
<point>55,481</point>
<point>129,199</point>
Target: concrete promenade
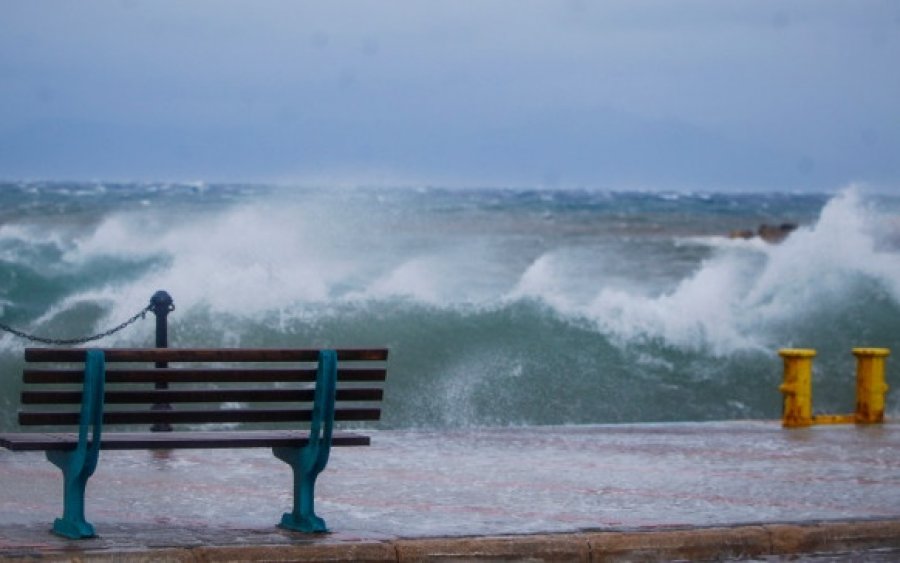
<point>739,490</point>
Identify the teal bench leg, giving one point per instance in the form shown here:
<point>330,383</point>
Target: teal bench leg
<point>307,462</point>
<point>79,464</point>
<point>72,524</point>
<point>303,517</point>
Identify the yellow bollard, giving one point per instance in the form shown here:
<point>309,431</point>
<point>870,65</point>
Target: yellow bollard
<point>870,385</point>
<point>797,387</point>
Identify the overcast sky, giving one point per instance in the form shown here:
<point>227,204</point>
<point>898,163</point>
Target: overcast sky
<point>654,94</point>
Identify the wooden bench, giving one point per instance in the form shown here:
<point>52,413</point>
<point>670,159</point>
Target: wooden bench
<point>296,394</point>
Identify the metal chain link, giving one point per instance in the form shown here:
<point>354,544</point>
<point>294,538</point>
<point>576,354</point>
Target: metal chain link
<point>66,341</point>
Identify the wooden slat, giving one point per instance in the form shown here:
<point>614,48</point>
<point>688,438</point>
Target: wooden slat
<point>200,375</point>
<point>198,396</point>
<point>28,418</point>
<point>38,441</point>
<point>249,376</point>
<point>203,354</point>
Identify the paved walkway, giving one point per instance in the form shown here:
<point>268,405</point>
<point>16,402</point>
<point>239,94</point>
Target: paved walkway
<point>738,488</point>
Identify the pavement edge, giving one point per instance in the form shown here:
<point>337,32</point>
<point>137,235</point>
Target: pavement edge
<point>708,543</point>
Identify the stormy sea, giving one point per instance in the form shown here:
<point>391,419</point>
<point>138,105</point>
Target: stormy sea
<point>508,307</point>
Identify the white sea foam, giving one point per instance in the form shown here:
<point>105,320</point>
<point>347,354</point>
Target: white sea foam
<point>541,281</point>
<point>704,311</point>
<point>241,261</point>
<point>418,278</point>
<point>816,264</point>
<point>731,301</point>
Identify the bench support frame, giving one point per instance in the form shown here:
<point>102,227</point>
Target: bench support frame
<point>79,464</point>
<point>307,462</point>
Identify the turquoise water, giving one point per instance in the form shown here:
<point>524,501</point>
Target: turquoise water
<point>501,307</point>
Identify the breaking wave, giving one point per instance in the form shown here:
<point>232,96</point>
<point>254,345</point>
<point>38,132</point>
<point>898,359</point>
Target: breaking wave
<point>500,307</point>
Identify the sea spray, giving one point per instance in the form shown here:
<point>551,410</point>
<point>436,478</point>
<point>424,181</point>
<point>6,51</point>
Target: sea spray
<point>501,307</point>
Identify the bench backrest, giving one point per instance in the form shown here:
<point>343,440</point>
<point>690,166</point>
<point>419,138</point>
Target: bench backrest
<point>202,386</point>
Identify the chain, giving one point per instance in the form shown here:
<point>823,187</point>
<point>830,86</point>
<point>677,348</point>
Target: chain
<point>82,340</point>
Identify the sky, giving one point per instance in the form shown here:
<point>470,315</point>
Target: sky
<point>622,94</point>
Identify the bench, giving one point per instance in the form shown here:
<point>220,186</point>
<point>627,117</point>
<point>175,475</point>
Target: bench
<point>284,399</point>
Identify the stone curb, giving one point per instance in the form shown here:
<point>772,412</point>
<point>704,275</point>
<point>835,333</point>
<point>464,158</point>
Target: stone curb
<point>747,541</point>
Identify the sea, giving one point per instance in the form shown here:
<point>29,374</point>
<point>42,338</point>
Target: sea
<point>501,307</point>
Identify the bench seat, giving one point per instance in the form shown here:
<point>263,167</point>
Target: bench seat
<point>42,441</point>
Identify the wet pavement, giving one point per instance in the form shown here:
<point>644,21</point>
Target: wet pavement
<point>486,482</point>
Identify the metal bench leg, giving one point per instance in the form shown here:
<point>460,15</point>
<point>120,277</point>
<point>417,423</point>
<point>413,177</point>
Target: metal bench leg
<point>79,464</point>
<point>307,462</point>
<point>303,517</point>
<point>72,524</point>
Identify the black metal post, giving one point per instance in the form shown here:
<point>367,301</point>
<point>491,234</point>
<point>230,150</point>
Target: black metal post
<point>161,304</point>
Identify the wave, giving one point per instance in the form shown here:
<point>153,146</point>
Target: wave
<point>747,289</point>
<point>498,308</point>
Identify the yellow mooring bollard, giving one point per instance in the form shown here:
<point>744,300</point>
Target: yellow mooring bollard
<point>797,387</point>
<point>870,385</point>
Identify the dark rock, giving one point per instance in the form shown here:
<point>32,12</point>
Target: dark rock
<point>769,233</point>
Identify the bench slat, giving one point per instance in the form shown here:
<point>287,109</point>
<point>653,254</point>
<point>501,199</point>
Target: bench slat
<point>197,416</point>
<point>200,375</point>
<point>36,441</point>
<point>203,355</point>
<point>198,396</point>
